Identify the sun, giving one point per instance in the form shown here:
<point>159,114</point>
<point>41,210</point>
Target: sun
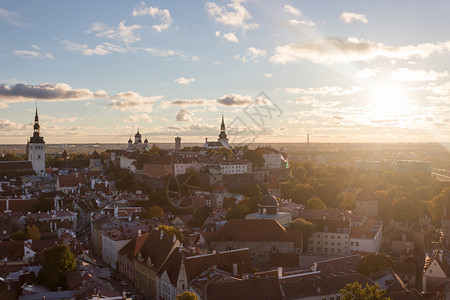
<point>388,101</point>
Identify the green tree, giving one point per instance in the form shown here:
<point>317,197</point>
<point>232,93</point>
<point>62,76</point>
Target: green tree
<point>354,291</point>
<point>156,212</point>
<point>374,262</point>
<point>12,157</point>
<point>169,230</point>
<point>255,158</point>
<point>58,261</point>
<point>33,232</point>
<point>307,228</point>
<point>403,209</point>
<point>187,296</point>
<point>19,235</point>
<point>199,216</point>
<point>315,203</point>
<point>302,192</point>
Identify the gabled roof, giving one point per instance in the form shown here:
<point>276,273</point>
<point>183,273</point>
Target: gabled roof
<point>15,165</point>
<point>251,230</point>
<point>157,248</point>
<point>252,289</point>
<point>224,261</point>
<point>338,266</point>
<point>12,250</point>
<point>441,260</point>
<point>134,246</point>
<point>172,265</point>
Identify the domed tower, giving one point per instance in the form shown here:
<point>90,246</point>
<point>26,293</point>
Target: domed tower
<point>137,137</point>
<point>268,205</point>
<point>36,148</point>
<point>223,136</point>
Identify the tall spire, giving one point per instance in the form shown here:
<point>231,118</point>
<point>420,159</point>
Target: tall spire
<point>222,134</point>
<point>36,122</point>
<point>36,118</point>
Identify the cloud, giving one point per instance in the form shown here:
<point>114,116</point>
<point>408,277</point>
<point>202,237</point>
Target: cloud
<point>37,53</point>
<point>236,16</point>
<point>234,100</point>
<point>366,73</point>
<point>255,53</point>
<point>231,37</point>
<point>46,91</point>
<point>3,105</point>
<point>101,49</point>
<point>162,52</point>
<point>183,115</point>
<point>184,81</point>
<point>12,18</point>
<point>292,10</point>
<point>162,14</point>
<point>325,90</point>
<point>295,22</point>
<point>405,74</point>
<point>340,50</point>
<point>132,101</point>
<point>268,75</point>
<point>7,125</point>
<point>349,17</point>
<point>187,102</point>
<point>139,117</point>
<point>123,32</point>
<point>305,100</point>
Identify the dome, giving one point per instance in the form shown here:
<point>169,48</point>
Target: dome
<point>146,141</point>
<point>138,135</point>
<point>130,141</point>
<point>268,201</point>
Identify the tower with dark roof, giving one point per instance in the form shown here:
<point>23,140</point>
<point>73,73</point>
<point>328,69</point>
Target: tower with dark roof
<point>223,136</point>
<point>137,137</point>
<point>36,148</point>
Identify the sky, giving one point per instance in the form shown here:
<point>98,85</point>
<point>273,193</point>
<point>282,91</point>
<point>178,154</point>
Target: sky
<point>340,71</point>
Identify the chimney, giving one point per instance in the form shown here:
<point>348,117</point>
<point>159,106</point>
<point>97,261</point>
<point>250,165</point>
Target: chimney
<point>139,232</point>
<point>404,237</point>
<point>174,238</point>
<point>161,234</point>
<point>235,269</point>
<point>280,272</point>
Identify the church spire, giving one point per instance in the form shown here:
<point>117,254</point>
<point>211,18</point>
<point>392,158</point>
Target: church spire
<point>36,122</point>
<point>222,134</point>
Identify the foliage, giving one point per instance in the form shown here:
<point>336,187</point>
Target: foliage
<point>55,161</point>
<point>315,203</point>
<point>12,157</point>
<point>403,209</point>
<point>255,158</point>
<point>33,232</point>
<point>199,216</point>
<point>302,193</point>
<point>307,228</point>
<point>349,201</point>
<point>187,296</point>
<point>44,204</point>
<point>169,230</point>
<point>19,235</point>
<point>354,291</point>
<point>374,262</point>
<point>156,212</point>
<point>58,261</point>
<point>229,202</point>
<point>243,208</point>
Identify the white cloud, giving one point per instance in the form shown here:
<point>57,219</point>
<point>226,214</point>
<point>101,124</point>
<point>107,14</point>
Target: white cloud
<point>101,49</point>
<point>349,17</point>
<point>184,81</point>
<point>234,100</point>
<point>46,91</point>
<point>12,18</point>
<point>325,90</point>
<point>339,50</point>
<point>231,37</point>
<point>3,105</point>
<point>37,53</point>
<point>268,75</point>
<point>132,101</point>
<point>366,73</point>
<point>292,10</point>
<point>139,117</point>
<point>155,12</point>
<point>305,100</point>
<point>187,102</point>
<point>295,22</point>
<point>255,53</point>
<point>7,125</point>
<point>405,74</point>
<point>183,115</point>
<point>236,16</point>
<point>123,32</point>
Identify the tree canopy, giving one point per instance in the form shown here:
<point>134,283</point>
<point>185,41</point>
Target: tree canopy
<point>354,291</point>
<point>169,230</point>
<point>374,262</point>
<point>58,261</point>
<point>187,296</point>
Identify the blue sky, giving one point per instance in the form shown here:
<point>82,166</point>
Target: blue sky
<point>343,71</point>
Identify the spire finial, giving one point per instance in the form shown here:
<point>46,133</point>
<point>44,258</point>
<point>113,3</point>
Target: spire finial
<point>222,119</point>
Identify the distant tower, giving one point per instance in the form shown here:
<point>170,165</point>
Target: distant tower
<point>137,137</point>
<point>177,143</point>
<point>223,136</point>
<point>307,141</point>
<point>36,148</point>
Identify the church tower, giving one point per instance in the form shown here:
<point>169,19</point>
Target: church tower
<point>223,136</point>
<point>36,148</point>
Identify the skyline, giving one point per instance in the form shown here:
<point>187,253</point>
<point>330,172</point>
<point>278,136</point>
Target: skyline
<point>342,72</point>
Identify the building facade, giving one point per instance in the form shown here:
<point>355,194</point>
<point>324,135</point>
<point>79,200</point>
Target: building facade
<point>36,148</point>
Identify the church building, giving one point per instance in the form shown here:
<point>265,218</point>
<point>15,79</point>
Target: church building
<point>36,148</point>
<point>138,144</point>
<point>222,141</point>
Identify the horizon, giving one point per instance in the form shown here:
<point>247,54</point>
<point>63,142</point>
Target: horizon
<point>276,70</point>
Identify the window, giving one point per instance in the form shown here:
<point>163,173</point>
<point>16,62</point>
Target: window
<point>326,235</point>
<point>311,242</point>
<point>318,242</point>
<point>326,249</point>
<point>339,250</point>
<point>352,243</point>
<point>318,236</point>
<point>326,243</point>
<point>357,244</point>
<point>339,237</point>
<point>332,243</point>
<point>311,249</point>
<point>318,249</point>
<point>332,250</point>
<point>325,229</point>
<point>332,236</point>
<point>431,271</point>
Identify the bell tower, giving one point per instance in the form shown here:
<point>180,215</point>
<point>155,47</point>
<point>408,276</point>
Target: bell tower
<point>36,148</point>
